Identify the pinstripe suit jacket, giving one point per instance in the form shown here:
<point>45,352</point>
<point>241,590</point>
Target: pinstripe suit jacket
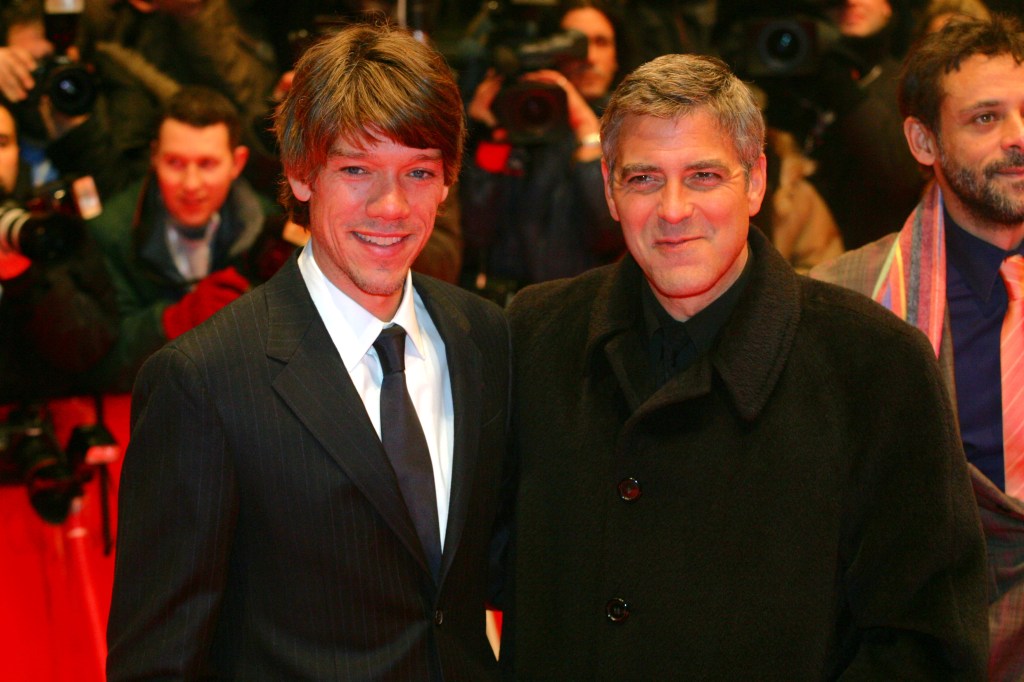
<point>262,533</point>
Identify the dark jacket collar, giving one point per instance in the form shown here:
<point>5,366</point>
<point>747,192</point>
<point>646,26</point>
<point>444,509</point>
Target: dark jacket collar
<point>299,341</point>
<point>748,356</point>
<point>242,218</point>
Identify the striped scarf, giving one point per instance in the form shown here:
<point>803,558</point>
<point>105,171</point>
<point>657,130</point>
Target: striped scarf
<point>912,282</point>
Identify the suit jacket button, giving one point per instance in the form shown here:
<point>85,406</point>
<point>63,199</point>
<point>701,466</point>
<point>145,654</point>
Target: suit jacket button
<point>438,617</point>
<point>629,489</point>
<point>617,610</point>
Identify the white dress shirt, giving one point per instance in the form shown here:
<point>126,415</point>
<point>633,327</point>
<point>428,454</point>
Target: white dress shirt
<point>353,330</point>
<point>192,256</point>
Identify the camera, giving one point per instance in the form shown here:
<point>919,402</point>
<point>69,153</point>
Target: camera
<point>786,46</point>
<point>535,113</point>
<point>778,46</point>
<point>49,227</point>
<point>30,454</point>
<point>71,86</point>
<point>54,477</point>
<point>516,37</point>
<point>40,237</point>
<point>790,51</point>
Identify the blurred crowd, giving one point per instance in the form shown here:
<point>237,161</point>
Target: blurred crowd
<point>141,183</point>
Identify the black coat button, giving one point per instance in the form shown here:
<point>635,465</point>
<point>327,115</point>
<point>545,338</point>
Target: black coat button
<point>617,610</point>
<point>438,617</point>
<point>629,489</point>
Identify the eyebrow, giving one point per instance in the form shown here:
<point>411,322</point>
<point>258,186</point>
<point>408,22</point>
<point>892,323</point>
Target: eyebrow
<point>353,153</point>
<point>700,164</point>
<point>983,104</point>
<point>631,168</point>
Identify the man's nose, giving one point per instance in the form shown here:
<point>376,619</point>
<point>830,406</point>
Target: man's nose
<point>1013,131</point>
<point>675,204</point>
<point>389,201</point>
<point>192,177</point>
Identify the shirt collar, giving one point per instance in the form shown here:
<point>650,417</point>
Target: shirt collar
<point>975,259</point>
<point>351,326</point>
<point>703,327</point>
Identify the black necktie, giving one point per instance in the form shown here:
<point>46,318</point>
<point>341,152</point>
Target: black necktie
<point>406,445</point>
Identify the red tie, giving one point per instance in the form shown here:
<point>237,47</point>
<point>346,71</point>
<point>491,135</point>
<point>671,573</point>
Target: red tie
<point>1011,358</point>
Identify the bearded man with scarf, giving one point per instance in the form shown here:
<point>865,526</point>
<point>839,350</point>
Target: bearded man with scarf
<point>962,93</point>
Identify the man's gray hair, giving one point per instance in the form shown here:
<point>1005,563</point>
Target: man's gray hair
<point>677,85</point>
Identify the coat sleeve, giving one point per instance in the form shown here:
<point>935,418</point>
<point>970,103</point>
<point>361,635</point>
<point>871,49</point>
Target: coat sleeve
<point>913,554</point>
<point>177,512</point>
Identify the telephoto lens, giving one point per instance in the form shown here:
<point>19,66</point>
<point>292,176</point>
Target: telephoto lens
<point>40,237</point>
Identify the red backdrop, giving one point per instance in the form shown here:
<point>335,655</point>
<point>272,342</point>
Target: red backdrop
<point>55,580</point>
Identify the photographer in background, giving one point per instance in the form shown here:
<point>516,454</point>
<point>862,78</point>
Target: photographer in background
<point>861,154</point>
<point>135,55</point>
<point>66,125</point>
<point>533,204</point>
<point>58,315</point>
<point>828,70</point>
<point>175,240</point>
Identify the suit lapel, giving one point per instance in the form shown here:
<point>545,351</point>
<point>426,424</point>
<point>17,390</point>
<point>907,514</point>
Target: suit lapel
<point>465,372</point>
<point>314,383</point>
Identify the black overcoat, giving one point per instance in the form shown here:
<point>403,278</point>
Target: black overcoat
<point>794,506</point>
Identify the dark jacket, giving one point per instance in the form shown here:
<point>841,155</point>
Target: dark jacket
<point>57,320</point>
<point>543,217</point>
<point>794,506</point>
<point>130,233</point>
<point>263,533</point>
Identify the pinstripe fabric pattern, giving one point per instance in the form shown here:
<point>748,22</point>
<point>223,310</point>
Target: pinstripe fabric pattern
<point>1002,516</point>
<point>262,531</point>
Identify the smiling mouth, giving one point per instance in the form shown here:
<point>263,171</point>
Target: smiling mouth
<point>676,241</point>
<point>378,241</point>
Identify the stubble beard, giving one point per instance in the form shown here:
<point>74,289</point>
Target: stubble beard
<point>980,193</point>
<point>377,287</point>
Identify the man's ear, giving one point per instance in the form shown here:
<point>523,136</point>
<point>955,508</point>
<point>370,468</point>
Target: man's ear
<point>300,188</point>
<point>239,157</point>
<point>757,184</point>
<point>607,174</point>
<point>922,142</point>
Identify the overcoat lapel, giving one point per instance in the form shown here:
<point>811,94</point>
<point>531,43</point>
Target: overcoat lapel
<point>466,379</point>
<point>314,383</point>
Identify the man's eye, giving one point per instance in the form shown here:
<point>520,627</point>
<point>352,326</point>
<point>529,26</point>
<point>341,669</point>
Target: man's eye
<point>987,117</point>
<point>352,170</point>
<point>422,174</point>
<point>639,179</point>
<point>705,178</point>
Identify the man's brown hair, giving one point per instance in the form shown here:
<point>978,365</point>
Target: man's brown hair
<point>942,52</point>
<point>362,83</point>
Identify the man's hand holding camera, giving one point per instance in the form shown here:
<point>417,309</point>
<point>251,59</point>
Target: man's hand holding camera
<point>582,120</point>
<point>17,63</point>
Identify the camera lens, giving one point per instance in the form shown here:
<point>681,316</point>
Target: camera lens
<point>42,237</point>
<point>537,111</point>
<point>783,44</point>
<point>532,113</point>
<point>71,89</point>
<point>51,483</point>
